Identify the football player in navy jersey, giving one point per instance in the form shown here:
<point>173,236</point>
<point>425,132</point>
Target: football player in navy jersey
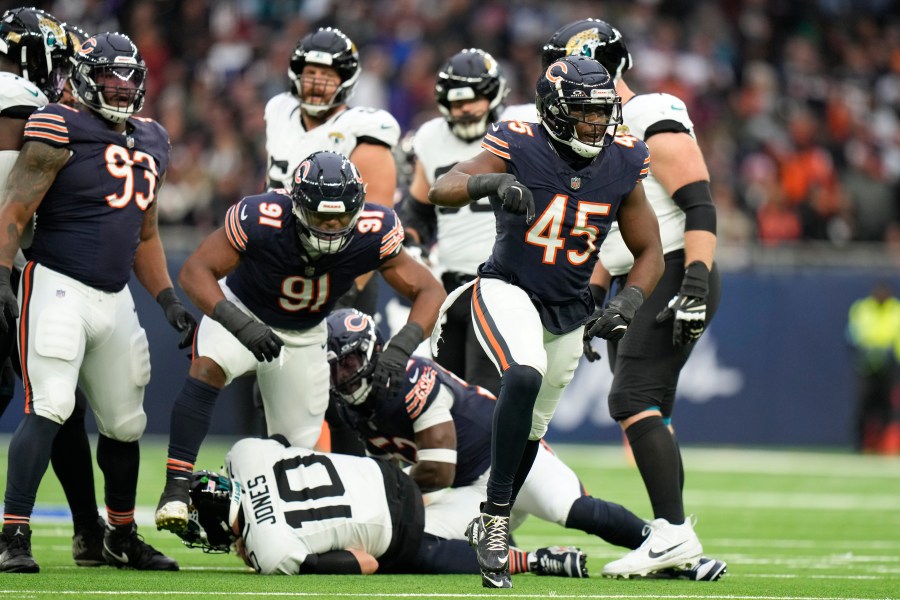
<point>441,426</point>
<point>29,81</point>
<point>646,364</point>
<point>286,258</point>
<point>556,188</point>
<point>91,175</point>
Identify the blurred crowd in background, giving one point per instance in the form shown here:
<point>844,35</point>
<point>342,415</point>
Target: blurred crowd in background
<point>796,103</point>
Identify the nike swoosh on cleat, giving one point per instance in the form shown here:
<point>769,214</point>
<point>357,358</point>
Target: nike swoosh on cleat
<point>655,554</point>
<point>123,558</point>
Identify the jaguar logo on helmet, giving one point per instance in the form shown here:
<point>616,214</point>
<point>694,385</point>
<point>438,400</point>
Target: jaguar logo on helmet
<point>584,43</point>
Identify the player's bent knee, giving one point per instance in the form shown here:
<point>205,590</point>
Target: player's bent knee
<point>523,380</point>
<point>624,405</point>
<point>208,371</point>
<point>140,358</point>
<point>128,430</point>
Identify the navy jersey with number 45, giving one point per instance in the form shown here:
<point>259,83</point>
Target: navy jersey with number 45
<point>552,258</point>
<point>89,222</point>
<point>279,281</point>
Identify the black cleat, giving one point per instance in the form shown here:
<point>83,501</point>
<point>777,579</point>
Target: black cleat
<point>172,510</point>
<point>16,556</point>
<point>562,561</point>
<point>489,535</point>
<point>500,580</point>
<point>87,545</point>
<point>123,548</point>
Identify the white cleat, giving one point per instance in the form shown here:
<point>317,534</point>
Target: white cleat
<point>172,516</point>
<point>668,546</point>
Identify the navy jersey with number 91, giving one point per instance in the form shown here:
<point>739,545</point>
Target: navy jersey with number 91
<point>279,281</point>
<point>552,259</point>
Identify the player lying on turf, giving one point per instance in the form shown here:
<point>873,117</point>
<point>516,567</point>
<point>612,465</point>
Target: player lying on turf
<point>441,425</point>
<point>295,511</point>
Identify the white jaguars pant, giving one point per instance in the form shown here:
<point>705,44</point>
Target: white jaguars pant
<point>72,334</point>
<point>294,386</point>
<point>548,493</point>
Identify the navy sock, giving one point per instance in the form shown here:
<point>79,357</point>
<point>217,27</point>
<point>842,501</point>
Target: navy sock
<point>439,556</point>
<point>612,522</point>
<point>29,456</point>
<point>519,388</point>
<point>528,456</point>
<point>74,467</point>
<point>189,425</point>
<point>657,458</point>
<point>120,462</point>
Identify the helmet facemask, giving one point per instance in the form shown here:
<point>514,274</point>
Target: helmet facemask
<point>215,502</point>
<point>39,44</point>
<point>110,76</point>
<point>329,48</point>
<point>578,105</point>
<point>467,76</point>
<point>328,197</point>
<point>352,342</point>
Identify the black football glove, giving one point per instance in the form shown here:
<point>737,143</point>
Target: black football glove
<point>257,337</point>
<point>514,197</point>
<point>9,303</point>
<point>689,305</point>
<point>613,321</point>
<point>599,294</point>
<point>390,367</point>
<point>177,316</point>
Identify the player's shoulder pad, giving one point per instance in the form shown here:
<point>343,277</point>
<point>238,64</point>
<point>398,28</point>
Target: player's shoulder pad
<point>364,122</point>
<point>645,110</point>
<point>382,222</point>
<point>633,152</point>
<point>154,129</point>
<point>500,139</point>
<point>281,106</point>
<point>520,112</point>
<point>18,91</point>
<point>430,133</point>
<point>255,216</point>
<point>52,124</point>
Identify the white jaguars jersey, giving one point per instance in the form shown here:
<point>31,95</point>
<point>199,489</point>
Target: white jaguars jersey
<point>16,93</point>
<point>639,113</point>
<point>288,142</point>
<point>299,502</point>
<point>466,234</point>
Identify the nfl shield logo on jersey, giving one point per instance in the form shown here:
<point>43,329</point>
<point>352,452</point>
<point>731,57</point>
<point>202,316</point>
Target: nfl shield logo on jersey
<point>575,183</point>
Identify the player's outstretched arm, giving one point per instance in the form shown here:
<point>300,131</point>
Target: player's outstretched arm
<point>212,260</point>
<point>416,283</point>
<point>436,468</point>
<point>640,231</point>
<point>452,188</point>
<point>378,170</point>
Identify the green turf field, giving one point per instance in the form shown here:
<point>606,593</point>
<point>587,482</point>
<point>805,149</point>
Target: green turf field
<point>791,525</point>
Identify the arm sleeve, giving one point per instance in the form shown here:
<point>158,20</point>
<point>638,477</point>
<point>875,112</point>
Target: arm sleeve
<point>336,562</point>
